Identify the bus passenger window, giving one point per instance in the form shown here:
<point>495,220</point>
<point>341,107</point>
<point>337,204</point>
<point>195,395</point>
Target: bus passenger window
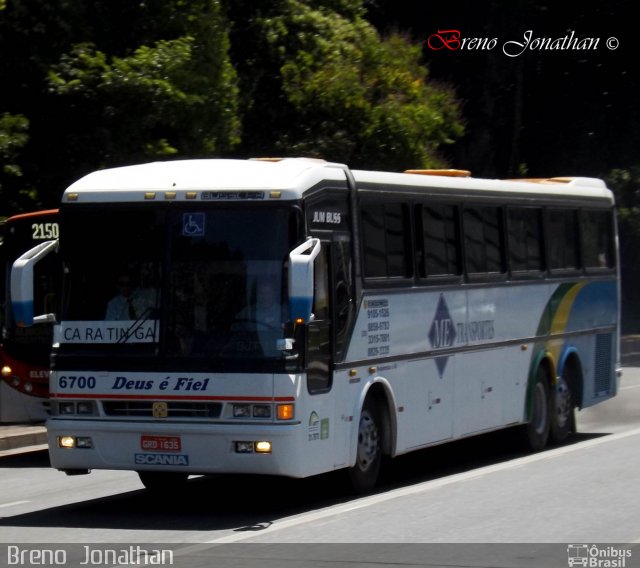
<point>562,236</point>
<point>524,225</point>
<point>440,241</point>
<point>597,239</point>
<point>484,252</point>
<point>384,240</point>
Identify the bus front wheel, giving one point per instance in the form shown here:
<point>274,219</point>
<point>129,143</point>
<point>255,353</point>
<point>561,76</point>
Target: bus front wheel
<point>364,473</point>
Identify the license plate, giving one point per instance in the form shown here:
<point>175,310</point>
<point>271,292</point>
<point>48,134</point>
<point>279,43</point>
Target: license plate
<point>161,443</point>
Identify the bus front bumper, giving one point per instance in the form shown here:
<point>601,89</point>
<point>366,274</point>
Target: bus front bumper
<point>269,449</point>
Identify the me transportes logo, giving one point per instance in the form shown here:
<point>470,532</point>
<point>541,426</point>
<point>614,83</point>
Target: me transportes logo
<point>442,333</point>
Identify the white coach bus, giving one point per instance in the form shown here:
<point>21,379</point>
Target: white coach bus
<point>292,316</point>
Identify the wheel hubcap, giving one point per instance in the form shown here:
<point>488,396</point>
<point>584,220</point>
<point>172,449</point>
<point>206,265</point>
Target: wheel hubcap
<point>563,403</point>
<point>367,441</point>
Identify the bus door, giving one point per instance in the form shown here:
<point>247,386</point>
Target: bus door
<point>328,219</point>
<point>333,311</point>
<point>327,338</point>
<point>319,344</point>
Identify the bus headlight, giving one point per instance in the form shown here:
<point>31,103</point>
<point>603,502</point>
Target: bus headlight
<point>262,411</point>
<point>80,442</point>
<point>66,442</point>
<point>252,411</point>
<point>241,410</point>
<point>84,408</point>
<point>244,447</point>
<point>66,408</point>
<point>261,447</point>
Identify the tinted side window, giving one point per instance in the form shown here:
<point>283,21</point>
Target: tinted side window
<point>440,247</point>
<point>597,239</point>
<point>374,244</point>
<point>562,236</point>
<point>484,247</point>
<point>524,225</point>
<point>318,354</point>
<point>342,289</point>
<point>384,227</point>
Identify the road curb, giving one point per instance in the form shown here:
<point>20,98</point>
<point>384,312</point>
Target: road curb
<point>13,437</point>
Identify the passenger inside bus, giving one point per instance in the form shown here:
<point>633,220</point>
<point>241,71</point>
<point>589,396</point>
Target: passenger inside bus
<point>130,302</point>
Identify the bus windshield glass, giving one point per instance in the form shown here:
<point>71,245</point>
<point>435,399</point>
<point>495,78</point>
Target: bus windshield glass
<point>178,282</point>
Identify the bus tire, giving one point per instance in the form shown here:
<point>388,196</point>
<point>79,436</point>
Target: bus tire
<point>536,431</point>
<point>162,480</point>
<point>563,413</point>
<point>364,473</point>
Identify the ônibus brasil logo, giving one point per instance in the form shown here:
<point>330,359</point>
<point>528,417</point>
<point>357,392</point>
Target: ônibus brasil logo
<point>597,556</point>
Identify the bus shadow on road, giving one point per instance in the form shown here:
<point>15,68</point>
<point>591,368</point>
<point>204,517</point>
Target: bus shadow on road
<point>25,460</point>
<point>464,455</point>
<point>251,503</point>
<point>203,504</point>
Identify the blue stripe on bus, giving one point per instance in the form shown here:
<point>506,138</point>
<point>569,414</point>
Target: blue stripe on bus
<point>23,313</point>
<point>300,307</point>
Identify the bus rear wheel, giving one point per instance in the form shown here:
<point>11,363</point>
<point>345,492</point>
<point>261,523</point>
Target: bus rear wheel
<point>536,431</point>
<point>162,480</point>
<point>364,474</point>
<point>563,419</point>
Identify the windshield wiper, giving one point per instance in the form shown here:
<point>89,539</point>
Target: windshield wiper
<point>144,317</point>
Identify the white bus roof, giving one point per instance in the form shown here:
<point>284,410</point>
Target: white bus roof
<point>571,186</point>
<point>290,178</point>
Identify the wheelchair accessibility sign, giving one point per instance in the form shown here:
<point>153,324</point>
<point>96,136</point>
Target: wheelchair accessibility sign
<point>193,225</point>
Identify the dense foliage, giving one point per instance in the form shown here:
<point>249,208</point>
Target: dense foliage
<point>109,83</point>
<point>114,82</point>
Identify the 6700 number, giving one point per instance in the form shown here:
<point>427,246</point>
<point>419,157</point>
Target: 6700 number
<point>69,382</point>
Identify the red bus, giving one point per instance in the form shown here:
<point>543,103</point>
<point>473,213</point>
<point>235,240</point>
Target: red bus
<point>25,351</point>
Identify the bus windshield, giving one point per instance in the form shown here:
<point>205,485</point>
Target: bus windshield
<point>205,282</point>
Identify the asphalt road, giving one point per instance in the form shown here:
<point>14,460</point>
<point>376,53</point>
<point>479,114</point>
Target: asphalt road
<point>480,502</point>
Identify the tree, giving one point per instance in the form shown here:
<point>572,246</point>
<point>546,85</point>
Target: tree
<point>625,183</point>
<point>13,137</point>
<point>113,82</point>
<point>320,81</point>
<point>545,112</point>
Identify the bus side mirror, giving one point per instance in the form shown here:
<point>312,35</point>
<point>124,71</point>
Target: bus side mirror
<point>301,280</point>
<point>21,284</point>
